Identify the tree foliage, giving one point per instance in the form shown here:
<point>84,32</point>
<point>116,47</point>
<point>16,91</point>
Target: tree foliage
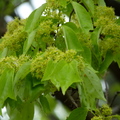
<point>44,53</point>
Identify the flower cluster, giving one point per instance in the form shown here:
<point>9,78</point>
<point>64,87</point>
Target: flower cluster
<point>44,32</point>
<point>8,62</point>
<point>110,30</point>
<point>55,4</point>
<point>104,16</point>
<point>12,62</point>
<point>85,39</point>
<point>97,118</point>
<point>49,27</point>
<point>105,12</point>
<point>39,64</point>
<point>105,110</point>
<point>15,35</point>
<point>103,113</point>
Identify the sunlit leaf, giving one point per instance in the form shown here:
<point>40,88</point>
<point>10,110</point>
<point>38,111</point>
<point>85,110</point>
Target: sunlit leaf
<point>34,18</point>
<point>71,39</point>
<point>62,74</point>
<point>83,16</point>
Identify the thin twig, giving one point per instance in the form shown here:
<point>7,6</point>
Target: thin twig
<point>71,99</point>
<point>117,93</point>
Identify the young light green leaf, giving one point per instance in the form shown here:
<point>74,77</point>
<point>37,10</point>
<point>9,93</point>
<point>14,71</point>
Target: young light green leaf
<point>83,17</point>
<point>62,74</point>
<point>29,41</point>
<point>6,85</point>
<point>71,39</point>
<point>78,114</point>
<point>34,18</point>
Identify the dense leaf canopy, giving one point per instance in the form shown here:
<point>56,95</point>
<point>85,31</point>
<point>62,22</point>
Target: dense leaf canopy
<point>44,53</point>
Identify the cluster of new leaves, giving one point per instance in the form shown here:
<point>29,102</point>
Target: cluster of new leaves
<point>44,53</point>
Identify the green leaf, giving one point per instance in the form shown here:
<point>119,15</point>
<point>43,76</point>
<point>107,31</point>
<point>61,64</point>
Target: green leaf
<point>3,53</point>
<point>78,114</point>
<point>62,74</point>
<point>45,104</point>
<point>6,85</point>
<point>89,4</point>
<point>24,90</point>
<point>18,110</point>
<point>117,59</point>
<point>101,2</point>
<point>68,9</point>
<point>95,39</point>
<point>86,54</point>
<point>107,61</point>
<point>34,18</point>
<point>24,87</point>
<point>90,89</point>
<point>72,26</point>
<point>29,41</point>
<point>36,91</point>
<point>63,3</point>
<point>22,72</point>
<point>118,21</point>
<point>83,17</point>
<point>71,39</point>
